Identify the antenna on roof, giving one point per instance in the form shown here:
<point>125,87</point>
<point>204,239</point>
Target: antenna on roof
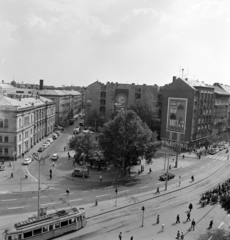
<point>182,72</point>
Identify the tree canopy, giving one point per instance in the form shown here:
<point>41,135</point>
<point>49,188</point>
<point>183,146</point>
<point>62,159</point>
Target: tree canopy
<point>126,138</point>
<point>82,143</point>
<point>148,111</point>
<point>95,120</point>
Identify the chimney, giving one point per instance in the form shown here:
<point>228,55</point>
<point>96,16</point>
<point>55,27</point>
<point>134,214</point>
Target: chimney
<point>174,78</point>
<point>41,84</point>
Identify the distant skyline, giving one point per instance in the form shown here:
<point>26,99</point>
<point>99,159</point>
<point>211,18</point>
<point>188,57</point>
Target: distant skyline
<point>77,42</point>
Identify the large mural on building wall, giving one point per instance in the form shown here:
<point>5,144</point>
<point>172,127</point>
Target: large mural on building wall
<point>121,98</point>
<point>177,113</point>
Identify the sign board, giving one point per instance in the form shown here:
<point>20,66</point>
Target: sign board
<point>176,115</point>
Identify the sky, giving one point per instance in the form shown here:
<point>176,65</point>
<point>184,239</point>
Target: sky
<point>77,42</point>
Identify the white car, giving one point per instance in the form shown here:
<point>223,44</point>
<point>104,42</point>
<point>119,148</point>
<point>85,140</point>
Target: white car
<point>55,156</point>
<point>45,145</point>
<point>50,140</point>
<point>27,161</point>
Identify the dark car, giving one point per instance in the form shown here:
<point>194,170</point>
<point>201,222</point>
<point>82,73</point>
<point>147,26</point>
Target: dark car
<point>163,177</point>
<point>41,149</point>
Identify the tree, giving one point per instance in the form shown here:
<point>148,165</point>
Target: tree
<point>148,111</point>
<point>82,143</point>
<point>126,138</point>
<point>95,120</point>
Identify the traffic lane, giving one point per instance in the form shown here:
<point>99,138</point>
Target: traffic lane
<point>90,198</point>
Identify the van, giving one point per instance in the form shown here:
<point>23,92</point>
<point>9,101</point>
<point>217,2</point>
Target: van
<point>79,172</point>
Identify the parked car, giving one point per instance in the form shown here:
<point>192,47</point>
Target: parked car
<point>214,151</point>
<point>163,177</point>
<point>50,140</point>
<point>57,132</point>
<point>27,161</point>
<point>41,149</point>
<point>80,172</point>
<point>55,136</point>
<point>45,145</point>
<point>55,156</point>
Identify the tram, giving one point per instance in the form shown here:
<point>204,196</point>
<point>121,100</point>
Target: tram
<point>47,226</point>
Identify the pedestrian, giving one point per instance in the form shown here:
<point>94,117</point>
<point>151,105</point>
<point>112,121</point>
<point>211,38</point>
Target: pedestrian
<point>67,191</point>
<point>192,178</point>
<point>188,217</point>
<point>64,149</point>
<point>182,236</point>
<point>210,224</point>
<point>193,225</point>
<point>158,219</point>
<point>51,174</point>
<point>116,191</point>
<point>190,207</point>
<point>150,170</point>
<point>120,236</point>
<point>162,227</point>
<point>179,180</point>
<point>131,238</point>
<point>169,166</point>
<point>3,161</point>
<point>53,164</point>
<point>10,163</point>
<point>26,175</point>
<point>178,235</point>
<point>173,159</point>
<point>158,190</point>
<point>12,175</point>
<point>178,219</point>
<point>100,177</point>
<point>183,156</point>
<point>69,157</point>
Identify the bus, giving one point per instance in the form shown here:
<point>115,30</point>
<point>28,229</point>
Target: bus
<point>47,226</point>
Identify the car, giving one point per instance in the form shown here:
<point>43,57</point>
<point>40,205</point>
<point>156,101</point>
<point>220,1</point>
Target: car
<point>50,140</point>
<point>55,156</point>
<point>27,161</point>
<point>214,151</point>
<point>57,133</point>
<point>41,149</point>
<point>163,177</point>
<point>80,172</point>
<point>45,145</point>
<point>55,136</point>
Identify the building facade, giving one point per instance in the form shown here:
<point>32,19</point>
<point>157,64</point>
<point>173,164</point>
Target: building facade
<point>24,122</point>
<point>187,113</point>
<point>111,97</point>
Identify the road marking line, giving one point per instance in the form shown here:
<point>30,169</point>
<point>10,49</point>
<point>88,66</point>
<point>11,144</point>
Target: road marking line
<point>221,225</point>
<point>194,171</point>
<point>184,175</point>
<point>202,167</point>
<point>73,200</point>
<point>40,197</point>
<point>18,207</point>
<point>160,183</point>
<point>210,238</point>
<point>129,183</point>
<point>108,187</point>
<point>102,195</point>
<point>124,191</point>
<point>8,200</point>
<point>143,187</point>
<point>48,203</point>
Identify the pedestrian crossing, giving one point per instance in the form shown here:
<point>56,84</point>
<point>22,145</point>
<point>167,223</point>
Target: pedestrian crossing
<point>4,192</point>
<point>216,157</point>
<point>27,173</point>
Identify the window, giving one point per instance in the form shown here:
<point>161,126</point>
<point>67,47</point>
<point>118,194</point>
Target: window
<point>57,225</point>
<point>6,151</point>
<point>20,137</point>
<point>72,220</point>
<point>6,139</point>
<point>10,237</point>
<point>0,138</point>
<point>45,229</point>
<point>6,123</point>
<point>0,151</point>
<point>37,231</point>
<point>51,227</point>
<point>19,236</point>
<point>28,234</point>
<point>78,219</point>
<point>1,123</point>
<point>20,122</point>
<point>65,223</point>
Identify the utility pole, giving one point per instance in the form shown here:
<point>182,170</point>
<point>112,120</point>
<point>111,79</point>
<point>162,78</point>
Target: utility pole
<point>166,183</point>
<point>177,154</point>
<point>143,216</point>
